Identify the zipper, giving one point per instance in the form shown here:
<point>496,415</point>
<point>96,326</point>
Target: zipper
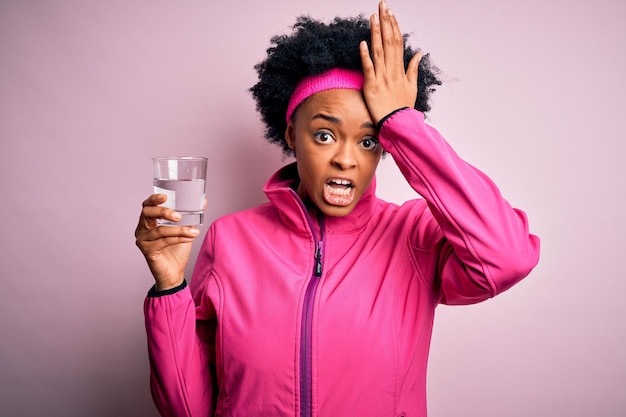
<point>306,334</point>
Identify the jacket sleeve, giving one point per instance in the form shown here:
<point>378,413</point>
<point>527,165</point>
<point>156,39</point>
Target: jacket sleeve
<point>477,244</point>
<point>181,348</point>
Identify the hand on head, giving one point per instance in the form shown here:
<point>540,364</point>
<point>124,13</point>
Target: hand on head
<point>387,86</point>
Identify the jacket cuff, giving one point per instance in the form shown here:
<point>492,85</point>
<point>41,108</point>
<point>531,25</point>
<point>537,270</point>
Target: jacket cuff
<point>379,125</point>
<point>154,293</point>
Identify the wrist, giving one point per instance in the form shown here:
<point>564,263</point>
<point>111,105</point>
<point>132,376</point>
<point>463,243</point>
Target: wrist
<point>380,123</point>
<point>165,286</point>
<point>157,291</point>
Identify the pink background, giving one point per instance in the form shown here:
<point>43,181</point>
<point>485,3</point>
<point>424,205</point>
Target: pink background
<point>91,90</point>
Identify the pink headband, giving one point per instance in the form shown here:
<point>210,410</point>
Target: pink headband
<point>332,79</point>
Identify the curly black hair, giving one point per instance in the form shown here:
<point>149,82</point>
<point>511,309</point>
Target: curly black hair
<point>312,48</point>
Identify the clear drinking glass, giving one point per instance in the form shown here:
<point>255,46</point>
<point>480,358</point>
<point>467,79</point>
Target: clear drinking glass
<point>183,180</point>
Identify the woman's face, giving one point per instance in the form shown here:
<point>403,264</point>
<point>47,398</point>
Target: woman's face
<point>337,149</point>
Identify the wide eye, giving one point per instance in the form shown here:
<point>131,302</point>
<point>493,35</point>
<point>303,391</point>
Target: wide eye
<point>369,144</point>
<point>324,136</point>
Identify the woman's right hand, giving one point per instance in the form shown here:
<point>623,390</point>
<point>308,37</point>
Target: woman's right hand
<point>387,85</point>
<point>166,248</point>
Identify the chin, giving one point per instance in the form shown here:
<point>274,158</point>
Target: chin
<point>336,211</point>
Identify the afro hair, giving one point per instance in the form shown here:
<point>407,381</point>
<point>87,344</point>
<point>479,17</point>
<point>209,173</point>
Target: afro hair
<point>312,48</point>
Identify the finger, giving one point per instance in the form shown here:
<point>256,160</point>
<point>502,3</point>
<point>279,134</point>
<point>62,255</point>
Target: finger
<point>413,68</point>
<point>153,209</point>
<point>154,246</point>
<point>159,212</point>
<point>378,53</point>
<point>165,237</point>
<point>395,26</point>
<point>366,62</point>
<point>168,233</point>
<point>149,212</point>
<point>175,240</point>
<point>386,32</point>
<point>393,42</point>
<point>150,215</point>
<point>154,200</point>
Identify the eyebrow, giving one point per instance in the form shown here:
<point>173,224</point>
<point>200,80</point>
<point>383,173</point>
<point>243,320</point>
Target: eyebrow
<point>366,125</point>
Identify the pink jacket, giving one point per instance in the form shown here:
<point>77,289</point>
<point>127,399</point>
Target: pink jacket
<point>293,315</point>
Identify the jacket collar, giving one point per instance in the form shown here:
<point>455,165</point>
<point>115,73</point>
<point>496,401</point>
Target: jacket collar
<point>280,190</point>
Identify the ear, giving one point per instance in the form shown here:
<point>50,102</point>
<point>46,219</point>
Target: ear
<point>290,136</point>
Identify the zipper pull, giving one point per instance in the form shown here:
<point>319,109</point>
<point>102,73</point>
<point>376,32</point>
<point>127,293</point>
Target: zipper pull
<point>318,259</point>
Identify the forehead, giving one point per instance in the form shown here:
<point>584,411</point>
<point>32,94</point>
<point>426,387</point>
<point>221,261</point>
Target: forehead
<point>341,103</point>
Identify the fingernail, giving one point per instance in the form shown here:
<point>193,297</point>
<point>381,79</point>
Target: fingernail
<point>176,216</point>
<point>194,232</point>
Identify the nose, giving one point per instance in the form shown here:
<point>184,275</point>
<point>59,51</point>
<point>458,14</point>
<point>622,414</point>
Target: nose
<point>345,156</point>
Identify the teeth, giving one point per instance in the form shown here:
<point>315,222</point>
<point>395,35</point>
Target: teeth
<point>341,182</point>
<point>338,191</point>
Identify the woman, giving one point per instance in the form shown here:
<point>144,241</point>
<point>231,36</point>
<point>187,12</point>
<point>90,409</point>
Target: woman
<point>321,301</point>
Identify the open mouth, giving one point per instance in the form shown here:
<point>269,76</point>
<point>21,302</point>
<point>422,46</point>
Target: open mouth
<point>339,187</point>
<point>339,192</point>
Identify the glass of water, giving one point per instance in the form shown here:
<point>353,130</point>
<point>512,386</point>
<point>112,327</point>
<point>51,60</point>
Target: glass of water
<point>183,180</point>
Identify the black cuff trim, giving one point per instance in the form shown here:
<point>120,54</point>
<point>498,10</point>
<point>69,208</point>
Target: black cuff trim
<point>379,125</point>
<point>154,293</point>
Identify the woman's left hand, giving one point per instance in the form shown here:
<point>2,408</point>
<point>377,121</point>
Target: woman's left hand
<point>387,87</point>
